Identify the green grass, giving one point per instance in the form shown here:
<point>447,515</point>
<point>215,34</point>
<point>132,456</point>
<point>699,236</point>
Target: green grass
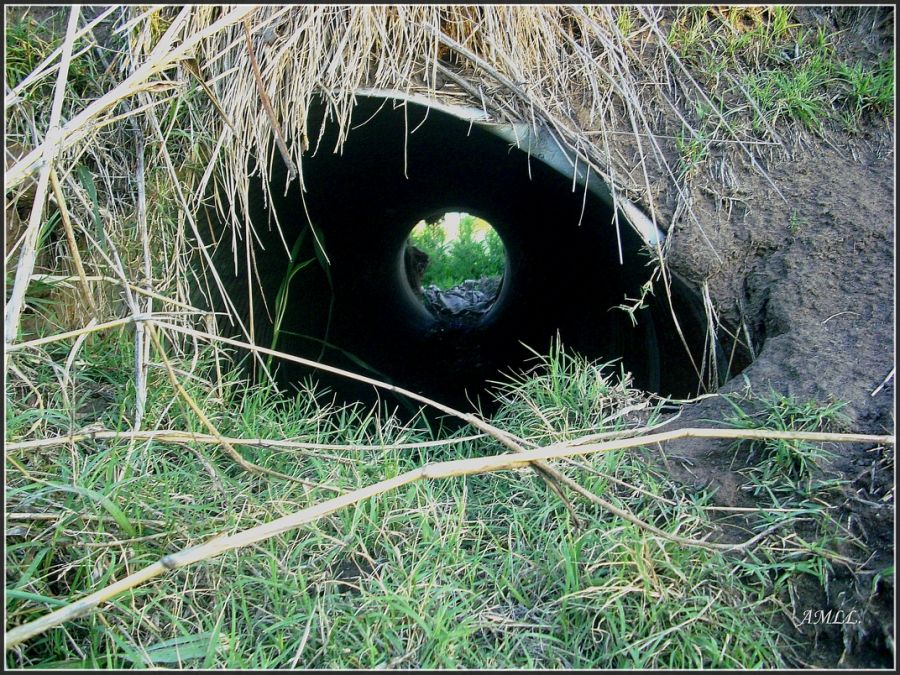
<point>792,73</point>
<point>789,464</point>
<point>693,149</point>
<point>731,35</point>
<point>792,478</point>
<point>482,572</point>
<point>795,223</point>
<point>869,87</point>
<point>463,257</point>
<point>564,395</point>
<point>27,43</point>
<point>798,94</point>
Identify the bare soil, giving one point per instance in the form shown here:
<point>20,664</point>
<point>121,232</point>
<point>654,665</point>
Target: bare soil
<point>818,300</point>
<point>812,277</point>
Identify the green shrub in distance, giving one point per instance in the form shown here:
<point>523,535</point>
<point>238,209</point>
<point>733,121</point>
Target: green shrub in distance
<point>452,262</point>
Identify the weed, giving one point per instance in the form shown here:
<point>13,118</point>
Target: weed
<point>791,73</point>
<point>726,37</point>
<point>693,150</point>
<point>782,464</point>
<point>27,43</point>
<point>797,94</point>
<point>632,305</point>
<point>787,476</point>
<point>782,22</point>
<point>689,32</point>
<point>794,223</point>
<point>563,394</point>
<point>869,88</point>
<point>281,299</point>
<point>625,21</point>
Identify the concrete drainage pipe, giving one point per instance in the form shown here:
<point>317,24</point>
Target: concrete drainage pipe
<point>358,311</point>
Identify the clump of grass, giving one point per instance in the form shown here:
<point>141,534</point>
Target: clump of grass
<point>689,32</point>
<point>789,476</point>
<point>799,85</point>
<point>564,394</point>
<point>693,147</point>
<point>480,572</point>
<point>798,94</point>
<point>731,36</point>
<point>869,87</point>
<point>627,595</point>
<point>795,223</point>
<point>625,20</point>
<point>635,602</point>
<point>27,43</point>
<point>790,72</point>
<point>784,464</point>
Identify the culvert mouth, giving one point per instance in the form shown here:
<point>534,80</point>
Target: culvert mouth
<point>331,271</point>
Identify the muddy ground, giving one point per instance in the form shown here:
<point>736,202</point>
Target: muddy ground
<point>820,307</point>
<point>812,276</point>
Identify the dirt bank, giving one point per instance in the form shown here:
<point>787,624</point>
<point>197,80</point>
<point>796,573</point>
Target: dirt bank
<point>813,278</point>
<point>809,275</point>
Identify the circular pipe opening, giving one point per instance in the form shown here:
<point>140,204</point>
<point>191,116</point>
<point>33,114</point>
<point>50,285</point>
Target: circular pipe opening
<point>329,280</point>
<point>454,263</point>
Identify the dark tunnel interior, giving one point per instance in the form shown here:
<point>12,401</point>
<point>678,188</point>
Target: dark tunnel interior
<point>357,311</point>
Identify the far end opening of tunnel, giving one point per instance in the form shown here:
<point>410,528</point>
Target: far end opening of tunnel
<point>355,272</point>
<point>455,262</point>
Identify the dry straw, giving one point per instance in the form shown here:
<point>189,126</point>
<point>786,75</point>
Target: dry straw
<point>572,71</point>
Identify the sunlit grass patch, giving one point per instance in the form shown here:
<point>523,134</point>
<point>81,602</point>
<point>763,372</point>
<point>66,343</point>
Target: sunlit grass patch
<point>791,72</point>
<point>485,571</point>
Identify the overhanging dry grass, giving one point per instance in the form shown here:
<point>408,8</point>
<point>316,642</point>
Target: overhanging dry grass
<point>570,70</point>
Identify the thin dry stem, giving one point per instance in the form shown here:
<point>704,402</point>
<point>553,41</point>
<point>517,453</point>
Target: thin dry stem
<point>267,104</point>
<point>70,239</point>
<point>465,467</point>
<point>176,436</point>
<point>229,448</point>
<point>49,150</point>
<point>134,288</point>
<point>141,344</point>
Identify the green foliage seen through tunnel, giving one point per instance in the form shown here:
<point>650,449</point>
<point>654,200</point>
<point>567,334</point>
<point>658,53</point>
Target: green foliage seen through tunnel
<point>459,247</point>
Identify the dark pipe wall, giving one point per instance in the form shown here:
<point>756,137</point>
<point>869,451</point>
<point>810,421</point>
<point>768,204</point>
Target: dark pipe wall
<point>563,274</point>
